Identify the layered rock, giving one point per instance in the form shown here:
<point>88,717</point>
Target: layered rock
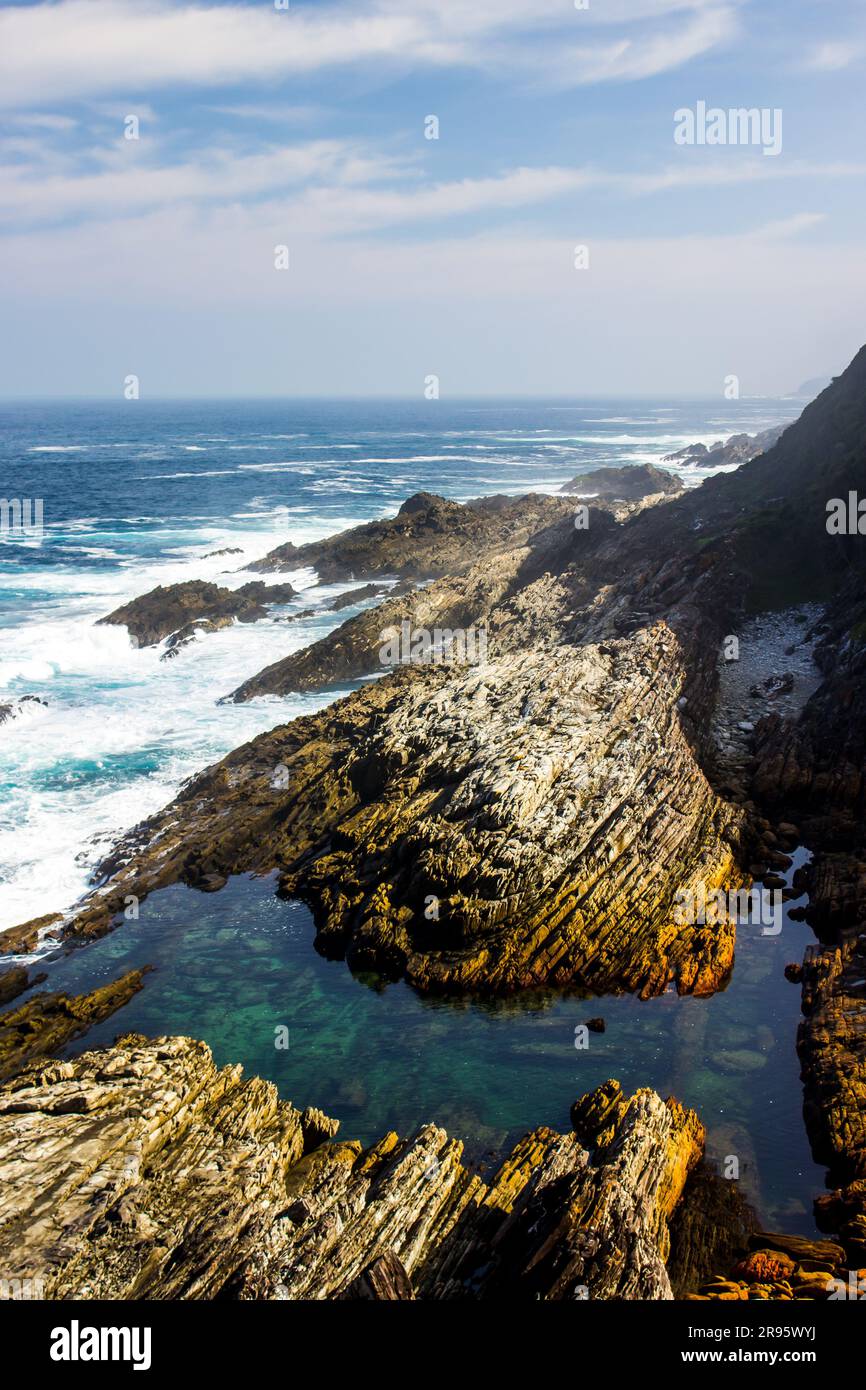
<point>24,939</point>
<point>144,1171</point>
<point>528,821</point>
<point>503,595</point>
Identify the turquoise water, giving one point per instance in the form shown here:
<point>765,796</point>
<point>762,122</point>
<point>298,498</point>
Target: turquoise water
<point>145,496</point>
<point>233,967</point>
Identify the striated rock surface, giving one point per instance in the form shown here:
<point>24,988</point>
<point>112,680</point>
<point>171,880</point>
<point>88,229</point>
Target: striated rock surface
<point>550,808</point>
<point>144,1171</point>
<point>510,596</point>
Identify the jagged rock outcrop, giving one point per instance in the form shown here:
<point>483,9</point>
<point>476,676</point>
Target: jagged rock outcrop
<point>144,1171</point>
<point>23,707</point>
<point>46,1022</point>
<point>553,800</point>
<point>24,939</point>
<point>736,449</point>
<point>549,804</point>
<point>430,536</point>
<point>175,611</point>
<point>503,597</point>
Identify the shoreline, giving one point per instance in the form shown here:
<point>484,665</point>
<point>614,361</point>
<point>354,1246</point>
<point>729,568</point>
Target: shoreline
<point>601,682</point>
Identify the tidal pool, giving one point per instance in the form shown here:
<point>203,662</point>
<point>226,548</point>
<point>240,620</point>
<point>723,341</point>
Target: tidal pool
<point>235,967</point>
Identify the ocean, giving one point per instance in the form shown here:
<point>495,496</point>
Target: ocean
<point>137,494</point>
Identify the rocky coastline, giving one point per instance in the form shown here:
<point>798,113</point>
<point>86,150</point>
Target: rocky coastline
<point>485,828</point>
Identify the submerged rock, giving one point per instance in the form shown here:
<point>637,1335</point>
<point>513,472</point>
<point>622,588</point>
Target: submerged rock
<point>23,706</point>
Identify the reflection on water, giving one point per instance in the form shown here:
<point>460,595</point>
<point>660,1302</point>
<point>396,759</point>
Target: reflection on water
<point>235,966</point>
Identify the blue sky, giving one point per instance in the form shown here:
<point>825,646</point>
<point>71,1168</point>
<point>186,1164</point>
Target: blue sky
<point>305,127</point>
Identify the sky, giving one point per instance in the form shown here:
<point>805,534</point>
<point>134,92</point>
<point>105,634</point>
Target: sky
<point>406,257</point>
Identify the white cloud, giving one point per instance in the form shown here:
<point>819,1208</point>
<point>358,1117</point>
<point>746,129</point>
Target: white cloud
<point>127,182</point>
<point>833,56</point>
<point>81,48</point>
<point>326,187</point>
<point>630,59</point>
<point>42,120</point>
<point>789,226</point>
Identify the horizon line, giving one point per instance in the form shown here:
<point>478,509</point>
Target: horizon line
<point>386,396</point>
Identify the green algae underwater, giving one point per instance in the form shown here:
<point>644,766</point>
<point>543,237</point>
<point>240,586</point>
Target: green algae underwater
<point>238,969</point>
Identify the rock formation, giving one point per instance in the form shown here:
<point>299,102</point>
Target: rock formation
<point>633,483</point>
<point>144,1171</point>
<point>528,819</point>
<point>44,1023</point>
<point>176,611</point>
<point>736,449</point>
<point>551,808</point>
<point>430,536</point>
<point>22,707</point>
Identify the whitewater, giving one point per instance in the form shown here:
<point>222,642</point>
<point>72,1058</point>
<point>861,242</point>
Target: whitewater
<point>144,494</point>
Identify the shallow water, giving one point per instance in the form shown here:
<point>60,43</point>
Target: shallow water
<point>235,966</point>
